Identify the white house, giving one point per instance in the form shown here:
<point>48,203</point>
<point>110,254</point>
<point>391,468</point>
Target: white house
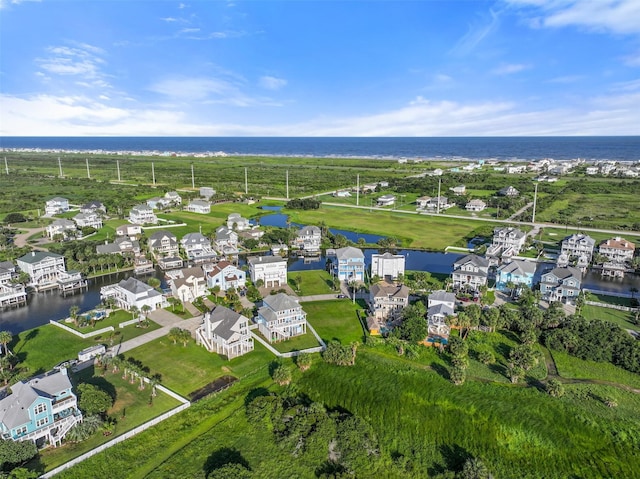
<point>207,192</point>
<point>188,284</point>
<point>11,293</point>
<point>440,305</point>
<point>226,241</point>
<point>309,239</point>
<point>617,250</point>
<point>272,270</point>
<point>387,265</point>
<point>387,300</point>
<point>561,284</point>
<point>132,292</point>
<point>163,244</point>
<point>142,215</point>
<point>225,332</point>
<point>64,227</point>
<point>350,264</point>
<point>470,272</point>
<point>281,317</point>
<point>197,247</point>
<point>158,203</point>
<point>433,202</point>
<point>92,220</point>
<point>508,191</point>
<point>56,205</point>
<point>225,275</point>
<point>342,194</point>
<point>173,198</point>
<point>475,205</point>
<point>122,245</point>
<point>386,200</point>
<point>237,222</point>
<point>131,230</point>
<point>93,207</point>
<point>507,242</point>
<point>199,206</point>
<point>578,246</point>
<point>44,268</point>
<point>459,190</point>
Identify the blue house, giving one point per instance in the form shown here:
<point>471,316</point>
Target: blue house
<point>518,272</point>
<point>350,264</point>
<point>41,409</point>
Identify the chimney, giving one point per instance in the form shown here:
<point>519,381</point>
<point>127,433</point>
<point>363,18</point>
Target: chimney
<point>33,253</point>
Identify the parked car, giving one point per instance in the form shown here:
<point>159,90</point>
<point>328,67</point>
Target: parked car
<point>342,296</point>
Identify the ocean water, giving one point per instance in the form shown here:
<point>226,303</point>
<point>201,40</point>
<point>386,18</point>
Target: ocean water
<point>625,148</point>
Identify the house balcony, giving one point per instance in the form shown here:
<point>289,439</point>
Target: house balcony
<point>64,404</point>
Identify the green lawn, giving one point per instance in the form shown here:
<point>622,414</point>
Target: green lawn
<point>296,343</point>
<point>621,318</point>
<point>313,282</point>
<point>335,320</point>
<point>131,408</point>
<point>120,334</point>
<point>570,367</point>
<point>186,369</point>
<point>608,299</point>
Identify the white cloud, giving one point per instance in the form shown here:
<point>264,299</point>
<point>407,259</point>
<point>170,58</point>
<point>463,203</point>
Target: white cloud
<point>6,3</point>
<point>510,68</point>
<point>615,114</point>
<point>613,16</point>
<point>81,60</point>
<point>272,83</point>
<point>566,79</point>
<point>476,34</point>
<point>632,60</point>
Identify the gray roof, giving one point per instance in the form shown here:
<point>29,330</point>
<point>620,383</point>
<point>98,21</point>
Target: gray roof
<point>7,265</point>
<point>309,230</point>
<point>135,286</point>
<point>518,267</point>
<point>439,309</point>
<point>349,252</point>
<point>228,321</point>
<point>59,199</point>
<point>14,409</point>
<point>566,272</point>
<point>387,255</point>
<point>158,235</point>
<point>64,223</point>
<point>142,208</point>
<point>442,295</point>
<point>385,289</point>
<point>473,258</point>
<point>580,237</point>
<point>37,256</point>
<point>280,302</point>
<point>509,230</point>
<point>267,314</point>
<point>109,248</point>
<point>265,259</point>
<point>200,203</point>
<point>194,238</point>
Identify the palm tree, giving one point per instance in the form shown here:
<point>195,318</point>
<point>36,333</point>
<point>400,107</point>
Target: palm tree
<point>73,313</point>
<point>134,310</point>
<point>174,335</point>
<point>146,309</point>
<point>5,339</point>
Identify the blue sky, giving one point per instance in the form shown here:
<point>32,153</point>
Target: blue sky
<point>319,68</point>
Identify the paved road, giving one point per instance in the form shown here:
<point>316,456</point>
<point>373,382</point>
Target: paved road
<point>318,297</point>
<point>20,239</point>
<point>520,211</point>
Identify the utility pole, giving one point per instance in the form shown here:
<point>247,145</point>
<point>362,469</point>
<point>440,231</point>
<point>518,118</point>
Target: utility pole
<point>153,173</point>
<point>438,198</point>
<point>118,166</point>
<point>535,197</point>
<point>358,190</point>
<point>6,167</point>
<point>193,179</point>
<point>287,184</point>
<point>246,183</point>
<point>88,172</point>
<point>60,167</point>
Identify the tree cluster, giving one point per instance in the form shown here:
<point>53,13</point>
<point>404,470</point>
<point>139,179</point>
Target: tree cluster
<point>340,355</point>
<point>303,204</point>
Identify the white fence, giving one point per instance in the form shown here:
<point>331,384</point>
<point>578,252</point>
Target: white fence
<point>128,323</point>
<point>78,333</point>
<point>610,306</point>
<point>185,404</point>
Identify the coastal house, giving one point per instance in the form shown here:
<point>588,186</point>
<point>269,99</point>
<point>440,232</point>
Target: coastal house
<point>142,215</point>
<point>341,194</point>
<point>163,244</point>
<point>132,292</point>
<point>225,332</point>
<point>578,247</point>
<point>470,272</point>
<point>520,273</point>
<point>281,317</point>
<point>198,248</point>
<point>122,245</point>
<point>387,300</point>
<point>44,268</point>
<point>475,205</point>
<point>11,292</point>
<point>226,241</point>
<point>56,206</point>
<point>199,206</point>
<point>617,250</point>
<point>432,203</point>
<point>350,265</point>
<point>272,270</point>
<point>207,192</point>
<point>63,228</point>
<point>93,207</point>
<point>507,242</point>
<point>225,275</point>
<point>158,202</point>
<point>459,190</point>
<point>237,222</point>
<point>561,284</point>
<point>440,305</point>
<point>41,409</point>
<point>173,198</point>
<point>187,284</point>
<point>90,220</point>
<point>308,239</point>
<point>508,191</point>
<point>386,200</point>
<point>253,233</point>
<point>387,265</point>
<point>132,231</point>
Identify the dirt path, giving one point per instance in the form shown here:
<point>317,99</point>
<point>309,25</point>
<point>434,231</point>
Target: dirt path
<point>20,239</point>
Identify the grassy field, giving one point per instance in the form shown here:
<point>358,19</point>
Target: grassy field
<point>621,318</point>
<point>335,320</point>
<point>296,343</point>
<point>186,369</point>
<point>131,408</point>
<point>114,319</point>
<point>313,282</point>
<point>570,367</point>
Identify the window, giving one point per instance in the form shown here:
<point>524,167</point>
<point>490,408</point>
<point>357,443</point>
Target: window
<point>21,430</point>
<point>42,422</point>
<point>40,408</point>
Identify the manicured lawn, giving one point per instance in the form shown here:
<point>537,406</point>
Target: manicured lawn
<point>120,334</point>
<point>186,369</point>
<point>570,367</point>
<point>609,299</point>
<point>621,318</point>
<point>313,282</point>
<point>296,343</point>
<point>130,409</point>
<point>335,320</point>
